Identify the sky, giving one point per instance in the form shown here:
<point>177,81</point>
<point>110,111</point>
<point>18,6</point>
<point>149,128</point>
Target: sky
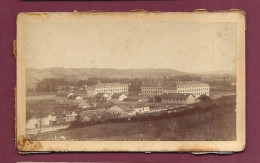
<point>183,46</point>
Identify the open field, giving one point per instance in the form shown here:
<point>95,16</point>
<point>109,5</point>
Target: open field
<point>220,128</point>
<point>41,97</point>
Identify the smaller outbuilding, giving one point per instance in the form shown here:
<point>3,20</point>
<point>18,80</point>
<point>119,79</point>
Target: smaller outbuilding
<point>128,109</point>
<point>70,95</point>
<point>178,98</point>
<point>34,123</point>
<point>84,105</point>
<point>92,115</point>
<point>119,97</point>
<point>79,98</point>
<point>139,108</point>
<point>120,109</point>
<point>102,97</point>
<point>71,116</point>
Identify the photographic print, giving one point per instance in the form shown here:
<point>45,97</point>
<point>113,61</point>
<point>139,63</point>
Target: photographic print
<point>131,81</point>
<point>69,162</point>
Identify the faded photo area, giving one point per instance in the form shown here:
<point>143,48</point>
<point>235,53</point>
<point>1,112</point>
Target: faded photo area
<point>70,162</point>
<point>85,162</point>
<point>127,80</point>
<point>133,81</point>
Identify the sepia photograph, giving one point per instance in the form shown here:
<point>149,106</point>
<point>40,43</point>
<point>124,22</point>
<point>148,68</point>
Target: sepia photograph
<point>70,162</point>
<point>81,162</point>
<point>131,81</point>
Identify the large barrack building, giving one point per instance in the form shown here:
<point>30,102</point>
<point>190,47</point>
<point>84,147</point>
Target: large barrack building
<point>108,88</point>
<point>196,88</point>
<point>157,89</point>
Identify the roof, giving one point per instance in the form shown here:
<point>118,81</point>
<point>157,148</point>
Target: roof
<point>97,114</point>
<point>176,95</point>
<point>124,107</point>
<point>131,99</point>
<point>163,85</point>
<point>108,84</point>
<point>91,113</point>
<point>182,83</point>
<point>129,106</point>
<point>153,84</point>
<point>117,95</point>
<point>78,98</point>
<point>172,85</point>
<point>100,95</point>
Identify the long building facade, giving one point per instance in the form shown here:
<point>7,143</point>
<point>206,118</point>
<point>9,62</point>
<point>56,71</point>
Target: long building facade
<point>108,88</point>
<point>196,88</point>
<point>178,98</point>
<point>157,89</point>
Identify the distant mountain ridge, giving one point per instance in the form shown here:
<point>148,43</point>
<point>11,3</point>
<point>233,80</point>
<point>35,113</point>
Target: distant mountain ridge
<point>38,74</point>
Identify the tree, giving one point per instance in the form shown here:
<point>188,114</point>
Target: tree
<point>205,99</point>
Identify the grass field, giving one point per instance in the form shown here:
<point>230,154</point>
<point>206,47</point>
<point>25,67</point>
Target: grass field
<point>204,126</point>
<point>41,97</point>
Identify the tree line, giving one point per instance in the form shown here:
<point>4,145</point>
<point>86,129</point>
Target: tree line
<point>54,84</point>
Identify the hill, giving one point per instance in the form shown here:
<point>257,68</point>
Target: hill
<point>85,73</point>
